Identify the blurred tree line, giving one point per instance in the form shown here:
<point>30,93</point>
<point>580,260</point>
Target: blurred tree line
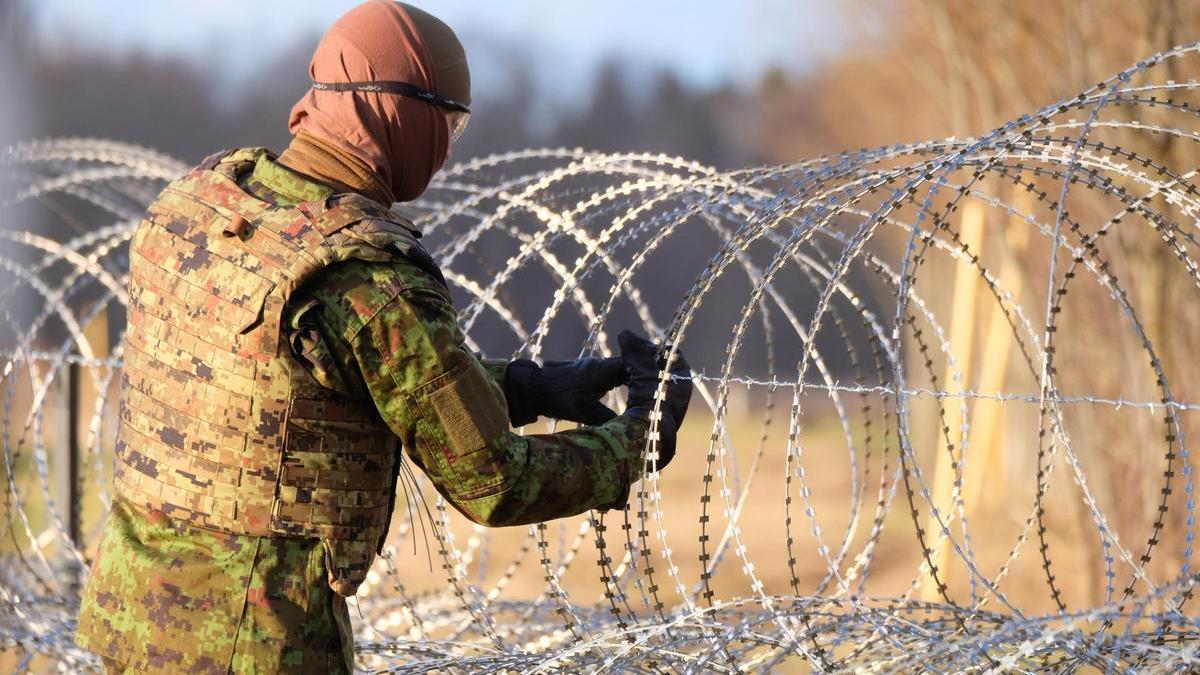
<point>174,105</point>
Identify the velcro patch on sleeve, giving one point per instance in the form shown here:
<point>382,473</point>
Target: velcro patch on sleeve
<point>468,409</point>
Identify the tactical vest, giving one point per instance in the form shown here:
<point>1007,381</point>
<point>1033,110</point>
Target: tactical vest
<point>221,425</point>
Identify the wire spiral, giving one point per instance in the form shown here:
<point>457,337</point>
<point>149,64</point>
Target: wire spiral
<point>937,425</point>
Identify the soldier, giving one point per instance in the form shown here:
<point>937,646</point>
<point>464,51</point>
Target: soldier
<point>289,340</point>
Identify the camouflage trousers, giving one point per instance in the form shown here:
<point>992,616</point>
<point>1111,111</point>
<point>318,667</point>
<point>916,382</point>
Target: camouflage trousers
<point>164,596</point>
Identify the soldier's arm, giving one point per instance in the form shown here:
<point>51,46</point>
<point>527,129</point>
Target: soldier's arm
<point>496,368</point>
<point>450,412</point>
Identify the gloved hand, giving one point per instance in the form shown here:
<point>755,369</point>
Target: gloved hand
<point>644,364</point>
<point>565,390</point>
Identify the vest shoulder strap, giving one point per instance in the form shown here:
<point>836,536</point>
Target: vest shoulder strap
<point>353,220</point>
<point>211,161</point>
<point>345,209</point>
<point>239,161</point>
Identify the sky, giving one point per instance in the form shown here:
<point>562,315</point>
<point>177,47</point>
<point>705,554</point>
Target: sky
<point>705,43</point>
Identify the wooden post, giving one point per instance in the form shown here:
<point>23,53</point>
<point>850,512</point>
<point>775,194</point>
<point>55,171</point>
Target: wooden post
<point>986,457</point>
<point>96,345</point>
<point>962,344</point>
<point>74,382</point>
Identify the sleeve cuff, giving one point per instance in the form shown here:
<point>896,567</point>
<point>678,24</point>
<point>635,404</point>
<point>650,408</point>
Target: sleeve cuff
<point>627,437</point>
<point>495,367</point>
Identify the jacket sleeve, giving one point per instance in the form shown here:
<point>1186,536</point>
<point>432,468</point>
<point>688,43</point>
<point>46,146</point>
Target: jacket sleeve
<point>496,368</point>
<point>449,411</point>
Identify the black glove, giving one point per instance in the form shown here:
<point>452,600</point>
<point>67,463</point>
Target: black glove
<point>565,390</point>
<point>644,364</point>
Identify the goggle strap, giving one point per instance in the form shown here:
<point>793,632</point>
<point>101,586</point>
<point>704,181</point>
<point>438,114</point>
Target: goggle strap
<point>401,88</point>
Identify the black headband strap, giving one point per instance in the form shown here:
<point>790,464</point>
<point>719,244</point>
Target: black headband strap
<point>401,88</point>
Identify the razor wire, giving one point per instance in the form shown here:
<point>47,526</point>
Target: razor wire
<point>926,389</point>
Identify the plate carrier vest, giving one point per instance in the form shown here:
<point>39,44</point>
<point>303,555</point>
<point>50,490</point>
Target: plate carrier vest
<point>221,425</point>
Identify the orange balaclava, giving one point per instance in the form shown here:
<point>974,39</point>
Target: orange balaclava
<point>402,140</point>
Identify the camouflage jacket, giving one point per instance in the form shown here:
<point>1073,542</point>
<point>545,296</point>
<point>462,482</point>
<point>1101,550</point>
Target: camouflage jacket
<point>385,334</point>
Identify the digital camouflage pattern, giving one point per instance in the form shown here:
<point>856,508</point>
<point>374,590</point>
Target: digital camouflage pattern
<point>220,424</point>
<point>383,334</point>
<point>168,597</point>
